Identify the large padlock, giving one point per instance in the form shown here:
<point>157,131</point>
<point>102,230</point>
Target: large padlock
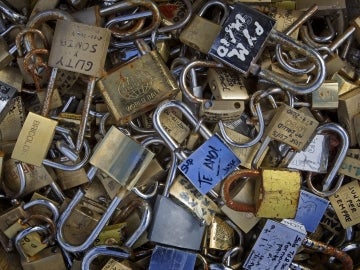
<point>242,39</point>
<point>289,126</point>
<point>200,33</point>
<point>49,256</point>
<point>129,95</point>
<point>116,145</point>
<point>268,185</point>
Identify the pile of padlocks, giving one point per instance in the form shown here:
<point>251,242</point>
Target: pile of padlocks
<point>179,134</point>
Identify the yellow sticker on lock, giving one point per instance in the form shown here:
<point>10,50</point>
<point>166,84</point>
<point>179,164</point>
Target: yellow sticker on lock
<point>34,140</point>
<point>346,203</point>
<point>277,193</point>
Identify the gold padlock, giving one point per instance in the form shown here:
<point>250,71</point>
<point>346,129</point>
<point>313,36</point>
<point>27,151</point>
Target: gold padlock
<point>326,97</point>
<point>349,106</point>
<point>174,126</point>
<point>200,33</point>
<point>34,140</point>
<point>128,95</point>
<point>345,85</point>
<point>112,235</point>
<point>220,235</point>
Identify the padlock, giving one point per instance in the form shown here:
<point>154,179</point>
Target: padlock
<point>10,126</point>
<point>311,209</point>
<point>211,110</point>
<point>345,85</point>
<point>73,122</point>
<point>49,256</point>
<point>313,158</point>
<point>276,245</point>
<point>326,97</point>
<point>194,35</point>
<point>9,85</point>
<point>200,205</point>
<point>111,235</point>
<point>39,71</point>
<point>348,108</point>
<point>36,177</point>
<point>174,126</point>
<point>328,180</point>
<point>226,84</point>
<point>267,202</point>
<point>7,219</point>
<point>56,101</point>
<point>241,41</point>
<point>220,235</point>
<point>124,265</point>
<point>173,229</point>
<point>170,258</point>
<point>134,95</point>
<point>245,154</point>
<point>104,250</point>
<point>116,144</point>
<point>34,139</point>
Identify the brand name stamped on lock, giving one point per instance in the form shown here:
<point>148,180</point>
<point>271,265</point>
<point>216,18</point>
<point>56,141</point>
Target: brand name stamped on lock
<point>209,164</point>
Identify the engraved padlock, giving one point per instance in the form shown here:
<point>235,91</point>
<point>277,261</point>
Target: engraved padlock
<point>129,95</point>
<point>200,33</point>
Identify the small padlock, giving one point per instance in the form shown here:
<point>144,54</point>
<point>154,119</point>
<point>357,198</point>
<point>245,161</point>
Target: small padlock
<point>49,256</point>
<point>220,235</point>
<point>326,97</point>
<point>200,33</point>
<point>10,126</point>
<point>129,95</point>
<point>167,258</point>
<point>226,84</point>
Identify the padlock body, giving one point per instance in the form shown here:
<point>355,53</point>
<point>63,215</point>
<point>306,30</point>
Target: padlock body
<point>174,226</point>
<point>137,87</point>
<point>225,110</point>
<point>200,33</point>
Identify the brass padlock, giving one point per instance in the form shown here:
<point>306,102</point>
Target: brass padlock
<point>349,106</point>
<point>116,145</point>
<point>8,83</point>
<point>226,84</point>
<point>129,95</point>
<point>200,33</point>
<point>10,126</point>
<point>326,97</point>
<point>220,235</point>
<point>34,140</point>
<point>49,256</point>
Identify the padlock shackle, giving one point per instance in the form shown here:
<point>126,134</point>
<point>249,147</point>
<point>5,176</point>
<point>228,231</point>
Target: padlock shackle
<point>103,250</point>
<point>173,146</point>
<point>341,154</point>
<point>189,68</point>
<point>342,256</point>
<point>211,3</point>
<point>22,179</point>
<point>123,5</point>
<point>49,205</point>
<point>24,233</point>
<point>21,35</point>
<point>94,233</point>
<point>39,19</point>
<point>325,38</point>
<point>181,23</point>
<point>297,89</point>
<point>251,142</point>
<point>75,166</point>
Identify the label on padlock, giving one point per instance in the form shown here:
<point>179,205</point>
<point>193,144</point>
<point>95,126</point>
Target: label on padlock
<point>311,209</point>
<point>200,205</point>
<point>292,127</point>
<point>275,247</point>
<point>79,47</point>
<point>346,203</point>
<point>34,139</point>
<point>314,158</point>
<point>212,162</point>
<point>242,37</point>
<point>165,258</point>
